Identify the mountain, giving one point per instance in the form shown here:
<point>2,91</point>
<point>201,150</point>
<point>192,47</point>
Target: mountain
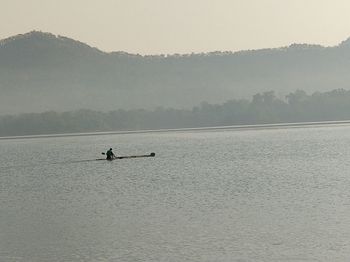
<point>41,71</point>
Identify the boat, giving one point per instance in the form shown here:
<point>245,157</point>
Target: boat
<point>125,157</point>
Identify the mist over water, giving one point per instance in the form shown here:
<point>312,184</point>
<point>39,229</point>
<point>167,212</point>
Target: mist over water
<point>252,195</point>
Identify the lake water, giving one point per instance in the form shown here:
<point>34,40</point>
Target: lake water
<point>250,195</point>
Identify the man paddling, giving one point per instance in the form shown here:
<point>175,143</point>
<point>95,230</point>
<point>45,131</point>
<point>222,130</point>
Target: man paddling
<point>110,154</point>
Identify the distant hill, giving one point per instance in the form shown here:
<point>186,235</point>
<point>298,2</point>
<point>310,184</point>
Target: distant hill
<point>41,71</point>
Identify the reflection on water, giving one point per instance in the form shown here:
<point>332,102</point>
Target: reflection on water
<point>257,195</point>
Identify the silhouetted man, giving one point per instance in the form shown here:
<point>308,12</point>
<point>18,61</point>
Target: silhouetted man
<point>110,154</point>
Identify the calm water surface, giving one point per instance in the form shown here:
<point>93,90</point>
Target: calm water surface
<point>257,195</point>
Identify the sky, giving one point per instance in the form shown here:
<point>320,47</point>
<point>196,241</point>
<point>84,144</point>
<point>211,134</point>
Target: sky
<point>181,26</point>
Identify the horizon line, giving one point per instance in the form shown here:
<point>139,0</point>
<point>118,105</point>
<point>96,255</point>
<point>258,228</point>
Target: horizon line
<point>295,44</point>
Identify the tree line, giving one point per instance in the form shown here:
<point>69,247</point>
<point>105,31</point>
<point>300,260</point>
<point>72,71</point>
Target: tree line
<point>262,108</point>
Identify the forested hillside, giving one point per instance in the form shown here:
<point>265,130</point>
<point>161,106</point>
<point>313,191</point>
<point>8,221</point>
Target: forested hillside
<point>41,72</point>
<point>264,108</point>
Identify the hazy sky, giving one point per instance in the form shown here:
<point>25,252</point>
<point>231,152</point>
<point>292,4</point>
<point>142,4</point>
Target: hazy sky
<point>181,26</point>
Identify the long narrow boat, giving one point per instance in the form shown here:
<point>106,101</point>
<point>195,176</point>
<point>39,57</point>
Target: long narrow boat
<point>124,157</point>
